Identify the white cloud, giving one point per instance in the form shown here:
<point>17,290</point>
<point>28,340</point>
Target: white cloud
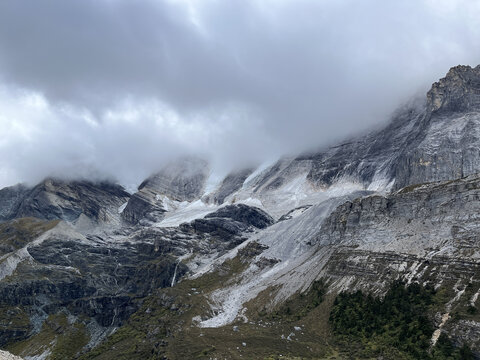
<point>115,88</point>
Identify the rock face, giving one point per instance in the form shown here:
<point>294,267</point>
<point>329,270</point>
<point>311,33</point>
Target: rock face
<point>437,140</point>
<point>459,91</point>
<point>231,220</point>
<point>144,204</point>
<point>370,160</point>
<point>10,198</point>
<point>92,279</point>
<point>232,183</point>
<point>50,269</point>
<point>401,202</point>
<point>416,219</point>
<point>66,200</point>
<point>446,144</point>
<point>248,215</point>
<point>183,180</point>
<point>428,234</point>
<point>427,140</point>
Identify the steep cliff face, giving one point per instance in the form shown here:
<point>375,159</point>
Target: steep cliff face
<point>427,234</point>
<point>146,205</point>
<point>458,91</point>
<point>182,180</point>
<point>370,160</point>
<point>446,144</point>
<point>427,140</point>
<point>179,181</point>
<point>66,200</point>
<point>10,199</point>
<point>413,220</point>
<point>229,185</point>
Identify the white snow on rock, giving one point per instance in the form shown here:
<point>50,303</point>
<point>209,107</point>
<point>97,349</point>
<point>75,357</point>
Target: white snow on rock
<point>122,207</point>
<point>187,212</point>
<point>295,191</point>
<point>5,355</point>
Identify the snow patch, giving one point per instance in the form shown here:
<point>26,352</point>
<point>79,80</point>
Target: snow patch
<point>187,212</point>
<point>5,355</point>
<point>122,207</point>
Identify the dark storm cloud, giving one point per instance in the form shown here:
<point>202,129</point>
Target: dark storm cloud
<point>131,83</point>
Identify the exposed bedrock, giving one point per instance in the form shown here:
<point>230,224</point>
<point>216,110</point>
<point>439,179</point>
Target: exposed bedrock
<point>182,180</point>
<point>66,200</point>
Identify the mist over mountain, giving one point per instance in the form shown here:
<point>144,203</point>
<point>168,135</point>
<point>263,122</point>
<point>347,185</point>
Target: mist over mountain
<point>382,228</point>
<point>115,89</point>
<point>201,179</point>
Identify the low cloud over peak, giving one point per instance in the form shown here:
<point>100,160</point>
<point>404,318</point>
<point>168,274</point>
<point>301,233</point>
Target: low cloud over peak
<point>116,88</point>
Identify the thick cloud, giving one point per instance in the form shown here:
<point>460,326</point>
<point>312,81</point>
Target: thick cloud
<point>116,87</point>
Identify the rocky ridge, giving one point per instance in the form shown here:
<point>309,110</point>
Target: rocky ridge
<point>66,200</point>
<point>397,203</point>
<point>177,182</point>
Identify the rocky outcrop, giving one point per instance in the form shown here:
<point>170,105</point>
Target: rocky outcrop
<point>416,219</point>
<point>144,204</point>
<point>248,215</point>
<point>232,183</point>
<point>458,91</point>
<point>94,279</point>
<point>182,180</point>
<point>10,198</point>
<point>66,200</point>
<point>446,141</point>
<point>230,222</point>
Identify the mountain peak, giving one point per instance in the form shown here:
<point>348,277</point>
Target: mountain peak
<point>458,91</point>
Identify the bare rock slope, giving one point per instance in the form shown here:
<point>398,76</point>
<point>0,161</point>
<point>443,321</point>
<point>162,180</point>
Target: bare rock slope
<point>399,203</point>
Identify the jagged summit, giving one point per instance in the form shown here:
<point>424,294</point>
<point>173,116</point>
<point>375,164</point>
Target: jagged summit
<point>62,199</point>
<point>444,143</point>
<point>458,91</point>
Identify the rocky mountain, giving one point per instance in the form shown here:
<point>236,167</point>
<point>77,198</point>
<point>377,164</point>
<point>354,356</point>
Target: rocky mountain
<point>183,180</point>
<point>10,198</point>
<point>250,266</point>
<point>58,199</point>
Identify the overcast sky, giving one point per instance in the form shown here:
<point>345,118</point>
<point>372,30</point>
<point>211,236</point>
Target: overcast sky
<point>117,87</point>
